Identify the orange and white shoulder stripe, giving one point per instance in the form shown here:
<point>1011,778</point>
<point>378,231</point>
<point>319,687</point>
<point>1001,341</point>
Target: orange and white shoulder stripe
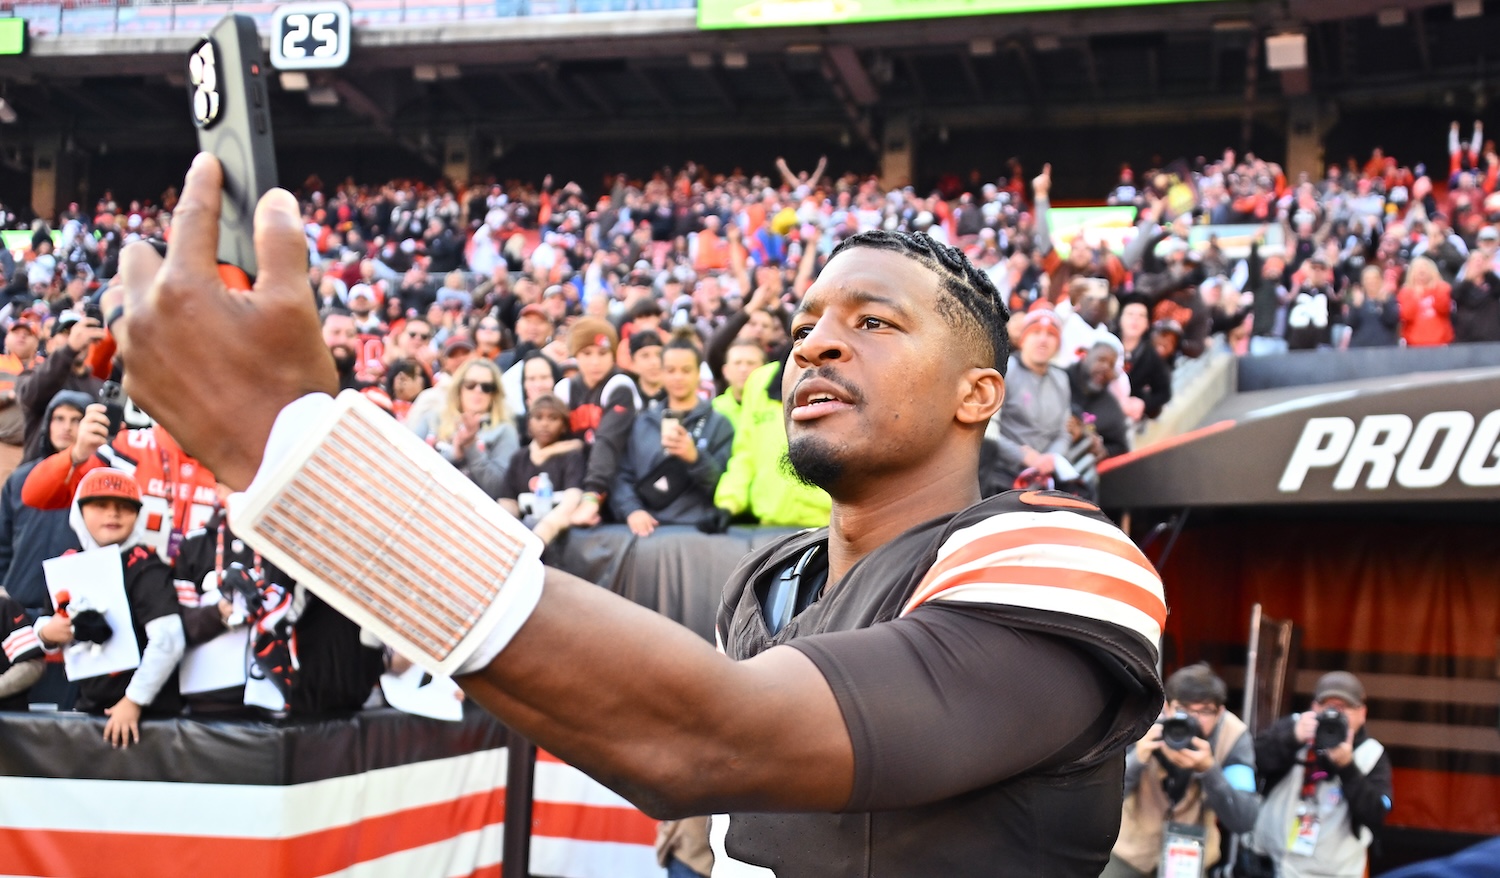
<point>1058,561</point>
<point>21,641</point>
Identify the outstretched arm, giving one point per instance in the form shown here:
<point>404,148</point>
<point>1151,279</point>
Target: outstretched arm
<point>593,677</point>
<point>734,749</point>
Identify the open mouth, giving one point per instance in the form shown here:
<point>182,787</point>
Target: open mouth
<point>817,398</point>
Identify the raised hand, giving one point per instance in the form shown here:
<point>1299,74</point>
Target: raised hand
<point>213,365</point>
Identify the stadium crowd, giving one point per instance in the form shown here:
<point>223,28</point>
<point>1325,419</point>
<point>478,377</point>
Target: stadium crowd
<point>617,357</point>
<point>460,309</point>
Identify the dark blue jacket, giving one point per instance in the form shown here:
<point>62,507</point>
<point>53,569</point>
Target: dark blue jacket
<point>30,536</point>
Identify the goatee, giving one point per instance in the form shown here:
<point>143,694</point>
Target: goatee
<point>813,463</point>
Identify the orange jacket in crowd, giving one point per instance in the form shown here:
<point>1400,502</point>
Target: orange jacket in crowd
<point>177,493</point>
<point>1426,314</point>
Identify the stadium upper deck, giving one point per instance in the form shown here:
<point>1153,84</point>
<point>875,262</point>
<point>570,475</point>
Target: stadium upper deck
<point>632,84</point>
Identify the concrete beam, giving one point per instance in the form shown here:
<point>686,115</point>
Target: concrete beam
<point>851,72</point>
<point>362,104</point>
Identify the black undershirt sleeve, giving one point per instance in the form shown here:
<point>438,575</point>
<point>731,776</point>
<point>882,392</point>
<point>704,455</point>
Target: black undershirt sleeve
<point>950,699</point>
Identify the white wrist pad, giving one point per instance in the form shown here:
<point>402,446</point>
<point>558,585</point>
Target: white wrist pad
<point>372,520</point>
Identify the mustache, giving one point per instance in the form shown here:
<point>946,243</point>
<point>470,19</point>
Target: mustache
<point>828,374</point>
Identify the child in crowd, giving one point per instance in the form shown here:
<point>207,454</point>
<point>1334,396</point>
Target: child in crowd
<point>602,401</point>
<point>106,512</point>
<point>21,659</point>
<point>561,461</point>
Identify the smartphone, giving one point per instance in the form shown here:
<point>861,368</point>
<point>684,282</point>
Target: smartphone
<point>113,397</point>
<point>227,96</point>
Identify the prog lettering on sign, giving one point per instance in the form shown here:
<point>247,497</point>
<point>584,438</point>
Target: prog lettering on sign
<point>1378,450</point>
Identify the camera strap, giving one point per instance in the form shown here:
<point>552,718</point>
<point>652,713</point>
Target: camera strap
<point>1302,835</point>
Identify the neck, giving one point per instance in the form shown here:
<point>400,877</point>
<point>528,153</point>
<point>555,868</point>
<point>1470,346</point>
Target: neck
<point>1038,368</point>
<point>650,388</point>
<point>685,404</point>
<point>859,525</point>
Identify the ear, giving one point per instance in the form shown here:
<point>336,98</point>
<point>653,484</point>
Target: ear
<point>981,392</point>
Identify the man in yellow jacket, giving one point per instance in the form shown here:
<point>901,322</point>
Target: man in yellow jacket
<point>755,480</point>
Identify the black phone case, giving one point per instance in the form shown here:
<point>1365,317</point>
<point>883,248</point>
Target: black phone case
<point>228,101</point>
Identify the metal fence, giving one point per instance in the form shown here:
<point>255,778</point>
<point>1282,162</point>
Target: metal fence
<point>94,17</point>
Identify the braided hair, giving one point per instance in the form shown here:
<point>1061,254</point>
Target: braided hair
<point>967,300</point>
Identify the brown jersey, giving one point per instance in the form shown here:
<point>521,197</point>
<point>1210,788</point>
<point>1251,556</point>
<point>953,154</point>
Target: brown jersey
<point>991,667</point>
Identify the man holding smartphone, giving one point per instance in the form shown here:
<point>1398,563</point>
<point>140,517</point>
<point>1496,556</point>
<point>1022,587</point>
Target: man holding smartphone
<point>67,368</point>
<point>957,679</point>
<point>675,453</point>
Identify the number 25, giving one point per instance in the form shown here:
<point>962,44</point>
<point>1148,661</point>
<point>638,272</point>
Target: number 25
<point>322,27</point>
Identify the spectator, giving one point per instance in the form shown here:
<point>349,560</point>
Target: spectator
<point>1327,782</point>
<point>1476,300</point>
<point>1092,401</point>
<point>1150,380</point>
<point>1314,307</point>
<point>412,340</point>
<point>21,659</point>
<point>30,536</point>
<point>1085,318</point>
<point>536,375</point>
<point>675,454</point>
<point>180,492</point>
<point>1166,339</point>
<point>1488,243</point>
<point>223,583</point>
<point>1083,260</point>
<point>1373,314</point>
<point>548,452</point>
<point>1426,303</point>
<point>1201,775</point>
<point>404,382</point>
<point>1032,428</point>
<point>20,357</point>
<point>66,368</point>
<point>107,512</point>
<point>457,351</point>
<point>416,291</point>
<point>646,365</point>
<point>754,482</point>
<point>342,338</point>
<point>489,338</point>
<point>602,403</point>
<point>474,430</point>
<point>744,356</point>
<point>1270,288</point>
<point>534,329</point>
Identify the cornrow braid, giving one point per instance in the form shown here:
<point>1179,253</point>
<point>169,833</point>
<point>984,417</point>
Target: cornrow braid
<point>983,313</point>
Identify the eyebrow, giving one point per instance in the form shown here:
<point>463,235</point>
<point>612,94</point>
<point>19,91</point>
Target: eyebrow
<point>858,297</point>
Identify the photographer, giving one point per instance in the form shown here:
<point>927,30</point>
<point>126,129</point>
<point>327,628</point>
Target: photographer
<point>1194,768</point>
<point>1328,784</point>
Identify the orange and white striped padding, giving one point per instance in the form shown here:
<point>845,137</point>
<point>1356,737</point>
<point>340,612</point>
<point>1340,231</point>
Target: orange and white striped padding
<point>1059,561</point>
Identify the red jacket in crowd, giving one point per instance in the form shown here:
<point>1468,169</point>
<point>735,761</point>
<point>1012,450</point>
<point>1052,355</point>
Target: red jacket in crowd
<point>1426,314</point>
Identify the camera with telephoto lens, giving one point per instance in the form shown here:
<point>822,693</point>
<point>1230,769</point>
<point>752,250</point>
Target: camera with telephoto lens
<point>1333,730</point>
<point>1179,730</point>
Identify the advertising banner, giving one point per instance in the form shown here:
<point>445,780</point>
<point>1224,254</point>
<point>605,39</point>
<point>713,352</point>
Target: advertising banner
<point>782,13</point>
<point>1419,438</point>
